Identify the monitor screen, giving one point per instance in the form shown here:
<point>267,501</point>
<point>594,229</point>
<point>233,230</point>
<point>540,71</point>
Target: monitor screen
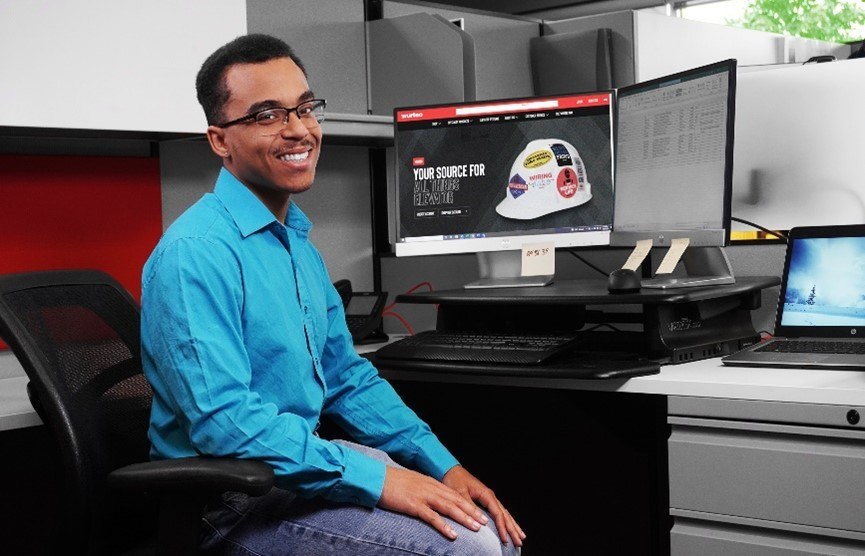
<point>490,176</point>
<point>825,281</point>
<point>674,157</point>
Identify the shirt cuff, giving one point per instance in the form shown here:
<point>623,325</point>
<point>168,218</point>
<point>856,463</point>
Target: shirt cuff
<point>362,480</point>
<point>434,459</point>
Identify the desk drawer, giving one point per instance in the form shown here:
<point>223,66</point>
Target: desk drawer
<point>791,474</point>
<point>706,538</point>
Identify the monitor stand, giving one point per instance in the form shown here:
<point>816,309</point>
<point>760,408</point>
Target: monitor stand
<point>503,269</point>
<point>705,266</point>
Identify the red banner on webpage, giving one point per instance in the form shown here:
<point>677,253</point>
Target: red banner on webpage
<point>502,107</point>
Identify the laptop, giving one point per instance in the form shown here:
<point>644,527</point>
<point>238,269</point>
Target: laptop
<point>821,308</point>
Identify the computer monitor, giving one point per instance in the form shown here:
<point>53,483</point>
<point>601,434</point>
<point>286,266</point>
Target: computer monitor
<point>489,177</point>
<point>674,164</point>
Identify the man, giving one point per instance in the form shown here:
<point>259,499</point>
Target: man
<point>245,343</point>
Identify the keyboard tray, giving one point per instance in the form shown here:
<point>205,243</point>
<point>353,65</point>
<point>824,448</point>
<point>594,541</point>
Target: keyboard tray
<point>469,347</point>
<point>583,365</point>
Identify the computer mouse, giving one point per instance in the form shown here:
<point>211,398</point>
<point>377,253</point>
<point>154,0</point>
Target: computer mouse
<point>624,280</point>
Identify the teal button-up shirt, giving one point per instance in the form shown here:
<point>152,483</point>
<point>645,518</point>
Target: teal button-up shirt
<point>245,344</point>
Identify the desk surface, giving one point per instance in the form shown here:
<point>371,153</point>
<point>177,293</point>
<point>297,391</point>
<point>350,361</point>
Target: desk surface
<point>707,378</point>
<point>15,409</point>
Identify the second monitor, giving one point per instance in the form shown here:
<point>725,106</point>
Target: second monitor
<point>674,168</point>
<point>490,177</point>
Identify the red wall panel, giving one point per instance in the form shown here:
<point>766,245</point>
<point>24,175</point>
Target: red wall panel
<point>79,212</point>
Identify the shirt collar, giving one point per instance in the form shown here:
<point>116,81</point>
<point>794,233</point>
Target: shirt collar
<point>248,212</point>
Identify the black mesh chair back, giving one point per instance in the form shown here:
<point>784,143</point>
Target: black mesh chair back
<point>77,335</point>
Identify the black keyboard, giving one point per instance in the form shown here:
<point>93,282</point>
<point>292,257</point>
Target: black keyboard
<point>471,347</point>
<point>814,346</point>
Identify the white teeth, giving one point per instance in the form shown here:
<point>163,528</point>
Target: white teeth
<point>295,157</point>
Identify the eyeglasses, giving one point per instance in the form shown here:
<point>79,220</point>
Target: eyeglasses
<point>310,113</point>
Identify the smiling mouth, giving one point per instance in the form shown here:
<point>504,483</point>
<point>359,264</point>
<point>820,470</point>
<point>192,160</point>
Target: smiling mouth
<point>294,157</point>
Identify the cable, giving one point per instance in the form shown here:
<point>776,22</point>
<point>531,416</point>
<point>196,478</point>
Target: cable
<point>767,230</point>
<point>416,286</point>
<point>400,318</point>
<point>386,312</point>
<point>587,263</point>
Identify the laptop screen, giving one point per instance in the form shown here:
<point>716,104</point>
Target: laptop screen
<point>825,282</point>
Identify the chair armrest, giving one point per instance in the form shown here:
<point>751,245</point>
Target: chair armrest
<point>195,476</point>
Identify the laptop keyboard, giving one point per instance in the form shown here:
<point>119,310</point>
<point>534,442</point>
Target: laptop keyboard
<point>812,346</point>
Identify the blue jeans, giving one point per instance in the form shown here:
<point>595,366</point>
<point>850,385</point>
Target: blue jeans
<point>281,523</point>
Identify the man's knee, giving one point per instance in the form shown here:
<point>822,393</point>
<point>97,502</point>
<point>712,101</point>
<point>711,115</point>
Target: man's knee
<point>485,542</point>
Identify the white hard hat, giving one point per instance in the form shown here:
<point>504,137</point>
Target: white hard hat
<point>547,176</point>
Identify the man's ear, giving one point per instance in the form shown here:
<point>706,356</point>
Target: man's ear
<point>216,138</point>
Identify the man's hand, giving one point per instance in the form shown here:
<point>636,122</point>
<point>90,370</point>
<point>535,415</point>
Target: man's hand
<point>420,496</point>
<point>472,490</point>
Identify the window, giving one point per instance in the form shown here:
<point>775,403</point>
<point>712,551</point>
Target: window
<point>828,20</point>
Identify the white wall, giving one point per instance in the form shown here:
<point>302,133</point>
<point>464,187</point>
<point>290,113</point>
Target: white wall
<point>109,64</point>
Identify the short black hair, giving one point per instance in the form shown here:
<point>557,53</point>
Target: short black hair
<point>210,85</point>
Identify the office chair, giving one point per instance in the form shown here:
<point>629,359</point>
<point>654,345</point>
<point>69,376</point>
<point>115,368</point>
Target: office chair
<point>77,335</point>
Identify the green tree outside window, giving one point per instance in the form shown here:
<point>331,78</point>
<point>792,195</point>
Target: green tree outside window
<point>827,20</point>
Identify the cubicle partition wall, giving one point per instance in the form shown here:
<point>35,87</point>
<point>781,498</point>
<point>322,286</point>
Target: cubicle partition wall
<point>646,45</point>
<point>502,66</point>
<point>799,145</point>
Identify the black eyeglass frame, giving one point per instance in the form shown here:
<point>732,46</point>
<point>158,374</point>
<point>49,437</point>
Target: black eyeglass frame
<point>254,115</point>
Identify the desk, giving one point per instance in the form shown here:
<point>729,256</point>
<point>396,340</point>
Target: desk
<point>758,461</point>
<point>757,458</point>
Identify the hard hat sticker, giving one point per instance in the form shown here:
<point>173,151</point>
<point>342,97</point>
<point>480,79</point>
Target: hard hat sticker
<point>517,186</point>
<point>540,180</point>
<point>563,157</point>
<point>567,183</point>
<point>537,159</point>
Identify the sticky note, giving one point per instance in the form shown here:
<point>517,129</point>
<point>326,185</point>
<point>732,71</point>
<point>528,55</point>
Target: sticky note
<point>638,255</point>
<point>539,259</point>
<point>677,248</point>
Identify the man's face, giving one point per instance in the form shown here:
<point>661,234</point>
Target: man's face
<point>275,159</point>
